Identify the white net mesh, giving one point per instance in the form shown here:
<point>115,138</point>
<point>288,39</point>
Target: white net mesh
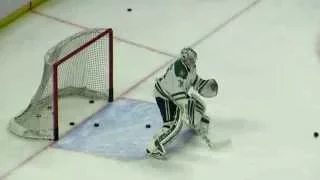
<point>83,74</point>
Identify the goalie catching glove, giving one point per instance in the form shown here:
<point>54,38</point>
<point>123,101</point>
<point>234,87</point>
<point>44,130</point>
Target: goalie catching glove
<point>206,88</point>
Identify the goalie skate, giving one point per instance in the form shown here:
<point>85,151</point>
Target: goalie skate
<point>156,155</point>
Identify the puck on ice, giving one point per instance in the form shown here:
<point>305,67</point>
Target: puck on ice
<point>129,9</point>
<point>96,124</point>
<point>71,123</point>
<point>315,134</point>
<point>91,101</point>
<point>148,125</point>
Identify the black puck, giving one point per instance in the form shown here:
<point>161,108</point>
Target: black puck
<point>316,134</point>
<point>129,9</point>
<point>49,107</point>
<point>71,123</point>
<point>96,124</point>
<point>148,125</point>
<point>91,101</point>
<point>38,115</point>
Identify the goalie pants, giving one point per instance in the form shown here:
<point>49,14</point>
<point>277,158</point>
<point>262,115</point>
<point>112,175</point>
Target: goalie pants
<point>172,123</point>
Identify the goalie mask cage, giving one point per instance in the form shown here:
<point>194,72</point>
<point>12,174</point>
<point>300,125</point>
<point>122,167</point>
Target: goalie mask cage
<point>81,65</point>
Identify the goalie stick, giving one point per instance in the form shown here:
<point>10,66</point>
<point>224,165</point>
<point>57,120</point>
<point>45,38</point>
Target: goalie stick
<point>216,145</point>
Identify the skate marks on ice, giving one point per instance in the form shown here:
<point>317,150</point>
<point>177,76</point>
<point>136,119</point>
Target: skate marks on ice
<point>119,131</point>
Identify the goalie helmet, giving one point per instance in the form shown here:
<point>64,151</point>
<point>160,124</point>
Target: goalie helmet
<point>189,56</point>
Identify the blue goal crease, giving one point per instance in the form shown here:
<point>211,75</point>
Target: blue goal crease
<point>120,131</point>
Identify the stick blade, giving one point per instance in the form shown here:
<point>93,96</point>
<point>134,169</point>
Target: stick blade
<point>216,145</point>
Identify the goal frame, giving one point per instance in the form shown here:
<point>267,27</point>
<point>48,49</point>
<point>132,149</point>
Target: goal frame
<point>107,33</point>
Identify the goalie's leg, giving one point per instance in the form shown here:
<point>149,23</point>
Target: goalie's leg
<point>197,119</point>
<point>172,125</point>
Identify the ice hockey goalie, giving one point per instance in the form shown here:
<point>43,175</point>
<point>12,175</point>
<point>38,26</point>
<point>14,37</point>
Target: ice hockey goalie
<point>177,105</point>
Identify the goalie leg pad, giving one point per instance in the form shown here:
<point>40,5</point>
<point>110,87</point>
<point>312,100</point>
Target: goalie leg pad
<point>196,110</point>
<point>197,119</point>
<point>172,125</point>
<point>200,106</point>
<point>203,127</point>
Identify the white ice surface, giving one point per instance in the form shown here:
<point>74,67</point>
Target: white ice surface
<point>264,61</point>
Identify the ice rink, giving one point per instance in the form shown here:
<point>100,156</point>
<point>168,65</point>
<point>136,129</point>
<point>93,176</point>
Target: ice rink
<point>262,53</point>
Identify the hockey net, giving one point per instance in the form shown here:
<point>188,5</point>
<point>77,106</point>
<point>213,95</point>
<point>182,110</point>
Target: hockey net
<point>81,65</point>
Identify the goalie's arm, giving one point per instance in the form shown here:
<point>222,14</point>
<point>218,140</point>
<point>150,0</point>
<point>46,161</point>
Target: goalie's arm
<point>198,83</point>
